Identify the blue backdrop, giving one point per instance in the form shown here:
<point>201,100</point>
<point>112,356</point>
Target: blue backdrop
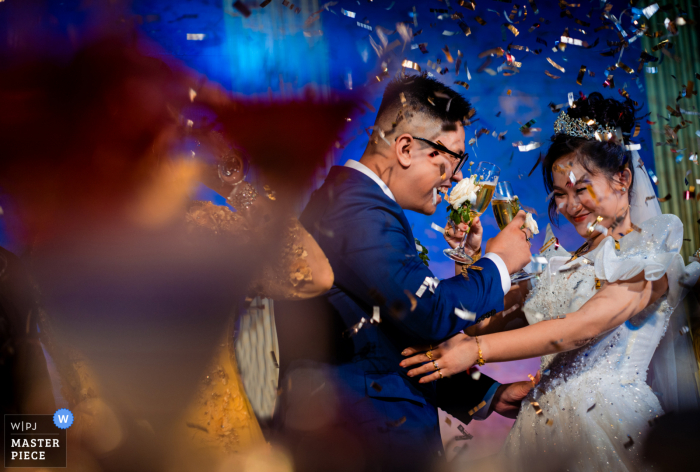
<point>281,48</point>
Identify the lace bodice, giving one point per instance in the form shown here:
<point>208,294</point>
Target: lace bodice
<point>593,407</point>
<point>566,285</point>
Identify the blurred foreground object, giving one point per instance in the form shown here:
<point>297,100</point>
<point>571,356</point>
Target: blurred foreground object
<point>94,163</point>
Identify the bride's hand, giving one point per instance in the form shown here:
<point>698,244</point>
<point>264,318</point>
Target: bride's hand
<point>453,356</point>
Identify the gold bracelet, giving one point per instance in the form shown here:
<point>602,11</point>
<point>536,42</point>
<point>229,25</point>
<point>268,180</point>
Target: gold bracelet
<point>480,360</point>
<point>477,255</point>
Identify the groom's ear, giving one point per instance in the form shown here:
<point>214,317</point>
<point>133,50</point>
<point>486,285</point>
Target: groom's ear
<point>405,144</point>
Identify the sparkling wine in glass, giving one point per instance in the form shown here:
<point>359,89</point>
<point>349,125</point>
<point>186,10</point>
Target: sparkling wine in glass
<point>505,206</point>
<point>487,178</point>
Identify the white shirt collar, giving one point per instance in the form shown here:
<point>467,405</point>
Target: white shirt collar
<point>353,164</point>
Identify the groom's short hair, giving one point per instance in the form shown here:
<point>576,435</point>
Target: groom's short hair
<point>408,96</point>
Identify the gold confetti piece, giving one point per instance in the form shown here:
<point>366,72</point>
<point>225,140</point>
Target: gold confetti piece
<point>463,84</point>
<point>193,94</point>
<point>590,408</point>
<point>477,408</point>
<point>265,3</point>
<point>597,283</point>
<point>581,73</point>
<point>270,193</point>
<point>556,65</point>
<point>662,44</point>
<point>625,67</point>
<point>490,52</point>
<point>412,299</point>
<point>617,245</point>
<point>410,65</point>
<point>531,377</point>
<point>446,50</point>
<point>397,423</point>
<point>480,20</point>
<point>537,408</point>
<point>549,74</point>
<point>376,386</point>
<point>666,198</point>
<point>195,37</point>
<point>637,127</point>
<point>549,422</point>
<point>512,29</point>
<point>431,101</point>
<point>274,359</point>
<point>448,421</point>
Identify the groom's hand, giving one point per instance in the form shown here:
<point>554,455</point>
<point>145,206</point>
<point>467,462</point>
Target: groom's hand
<point>506,401</point>
<point>511,244</point>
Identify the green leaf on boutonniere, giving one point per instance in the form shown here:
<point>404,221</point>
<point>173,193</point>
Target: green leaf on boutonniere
<point>461,215</point>
<point>423,254</point>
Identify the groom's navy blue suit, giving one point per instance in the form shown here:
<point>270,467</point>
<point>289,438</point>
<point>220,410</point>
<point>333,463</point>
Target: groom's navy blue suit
<point>370,246</point>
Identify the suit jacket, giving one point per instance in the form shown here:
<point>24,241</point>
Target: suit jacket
<point>370,246</point>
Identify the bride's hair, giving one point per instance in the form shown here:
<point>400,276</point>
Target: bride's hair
<point>595,156</point>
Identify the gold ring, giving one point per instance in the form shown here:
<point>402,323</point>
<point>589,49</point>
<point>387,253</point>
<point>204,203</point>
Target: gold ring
<point>440,372</point>
<point>430,355</point>
<point>435,365</point>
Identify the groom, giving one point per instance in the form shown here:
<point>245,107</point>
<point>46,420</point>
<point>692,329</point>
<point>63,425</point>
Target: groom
<point>341,353</point>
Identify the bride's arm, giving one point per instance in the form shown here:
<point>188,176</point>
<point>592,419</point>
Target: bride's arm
<point>512,316</point>
<point>613,305</point>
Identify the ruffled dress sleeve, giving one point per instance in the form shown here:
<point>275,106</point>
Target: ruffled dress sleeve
<point>653,250</point>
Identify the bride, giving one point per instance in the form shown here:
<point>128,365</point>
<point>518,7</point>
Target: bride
<point>596,315</point>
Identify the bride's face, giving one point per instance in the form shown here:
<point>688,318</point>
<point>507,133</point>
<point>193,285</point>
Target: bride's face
<point>582,196</point>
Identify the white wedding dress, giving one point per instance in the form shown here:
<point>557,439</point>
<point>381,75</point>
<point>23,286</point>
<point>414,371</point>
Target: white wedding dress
<point>593,406</point>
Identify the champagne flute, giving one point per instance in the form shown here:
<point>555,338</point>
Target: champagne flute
<point>505,206</point>
<point>486,177</point>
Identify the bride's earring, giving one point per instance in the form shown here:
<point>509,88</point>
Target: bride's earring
<point>624,189</point>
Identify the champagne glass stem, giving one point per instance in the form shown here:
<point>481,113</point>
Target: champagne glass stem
<point>464,240</point>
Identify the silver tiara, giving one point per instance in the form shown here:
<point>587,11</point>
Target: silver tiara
<point>583,128</point>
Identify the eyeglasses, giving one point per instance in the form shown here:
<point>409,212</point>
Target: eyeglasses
<point>461,158</point>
